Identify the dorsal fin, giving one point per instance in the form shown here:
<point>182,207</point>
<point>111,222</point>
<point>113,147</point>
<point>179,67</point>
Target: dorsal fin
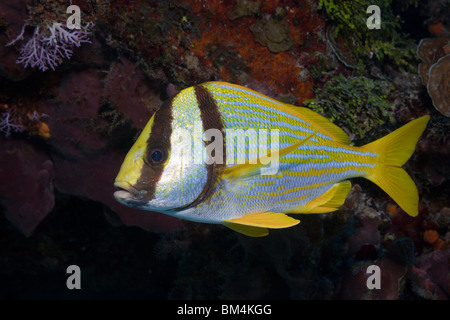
<point>318,121</point>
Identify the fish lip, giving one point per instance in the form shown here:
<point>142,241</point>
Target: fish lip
<point>125,186</point>
<point>127,193</point>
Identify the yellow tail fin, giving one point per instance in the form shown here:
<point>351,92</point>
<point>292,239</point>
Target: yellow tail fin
<point>394,150</point>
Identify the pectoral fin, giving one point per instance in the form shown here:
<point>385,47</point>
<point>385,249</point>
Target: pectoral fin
<point>253,167</point>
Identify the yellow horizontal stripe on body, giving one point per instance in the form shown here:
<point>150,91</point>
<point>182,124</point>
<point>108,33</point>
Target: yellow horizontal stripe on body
<point>292,199</point>
<point>312,172</point>
<point>288,191</point>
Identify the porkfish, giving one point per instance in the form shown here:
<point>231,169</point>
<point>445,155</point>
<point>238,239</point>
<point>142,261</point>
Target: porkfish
<point>224,154</point>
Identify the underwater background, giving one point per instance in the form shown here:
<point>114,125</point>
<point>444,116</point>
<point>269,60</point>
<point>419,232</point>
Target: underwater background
<point>72,103</point>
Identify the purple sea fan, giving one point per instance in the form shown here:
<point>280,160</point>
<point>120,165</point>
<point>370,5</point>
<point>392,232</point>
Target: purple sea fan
<point>46,52</point>
<point>7,124</point>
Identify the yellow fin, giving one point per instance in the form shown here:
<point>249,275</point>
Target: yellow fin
<point>317,120</point>
<point>248,230</point>
<point>329,201</point>
<point>247,169</point>
<point>265,220</point>
<point>394,150</point>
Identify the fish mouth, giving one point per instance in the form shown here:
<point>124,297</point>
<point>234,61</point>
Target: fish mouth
<point>127,194</point>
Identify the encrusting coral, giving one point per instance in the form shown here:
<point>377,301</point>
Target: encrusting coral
<point>273,34</point>
<point>435,71</point>
<point>439,85</point>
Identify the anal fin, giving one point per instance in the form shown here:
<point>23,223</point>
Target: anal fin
<point>249,224</point>
<point>248,230</point>
<point>328,202</point>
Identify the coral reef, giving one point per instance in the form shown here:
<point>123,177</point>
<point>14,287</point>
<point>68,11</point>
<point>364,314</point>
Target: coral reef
<point>191,36</point>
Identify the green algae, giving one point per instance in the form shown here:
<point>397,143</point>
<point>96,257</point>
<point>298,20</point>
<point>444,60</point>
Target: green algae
<point>356,104</point>
<point>366,45</point>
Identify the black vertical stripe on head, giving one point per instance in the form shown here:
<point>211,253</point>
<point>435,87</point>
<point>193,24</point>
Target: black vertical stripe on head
<point>160,134</point>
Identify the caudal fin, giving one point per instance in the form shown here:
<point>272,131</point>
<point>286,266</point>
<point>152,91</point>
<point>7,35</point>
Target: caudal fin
<point>394,150</point>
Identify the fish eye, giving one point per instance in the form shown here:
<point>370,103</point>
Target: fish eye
<point>156,156</point>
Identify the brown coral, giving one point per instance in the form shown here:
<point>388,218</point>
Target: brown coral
<point>439,85</point>
<point>429,51</point>
<point>273,34</point>
<point>435,71</point>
